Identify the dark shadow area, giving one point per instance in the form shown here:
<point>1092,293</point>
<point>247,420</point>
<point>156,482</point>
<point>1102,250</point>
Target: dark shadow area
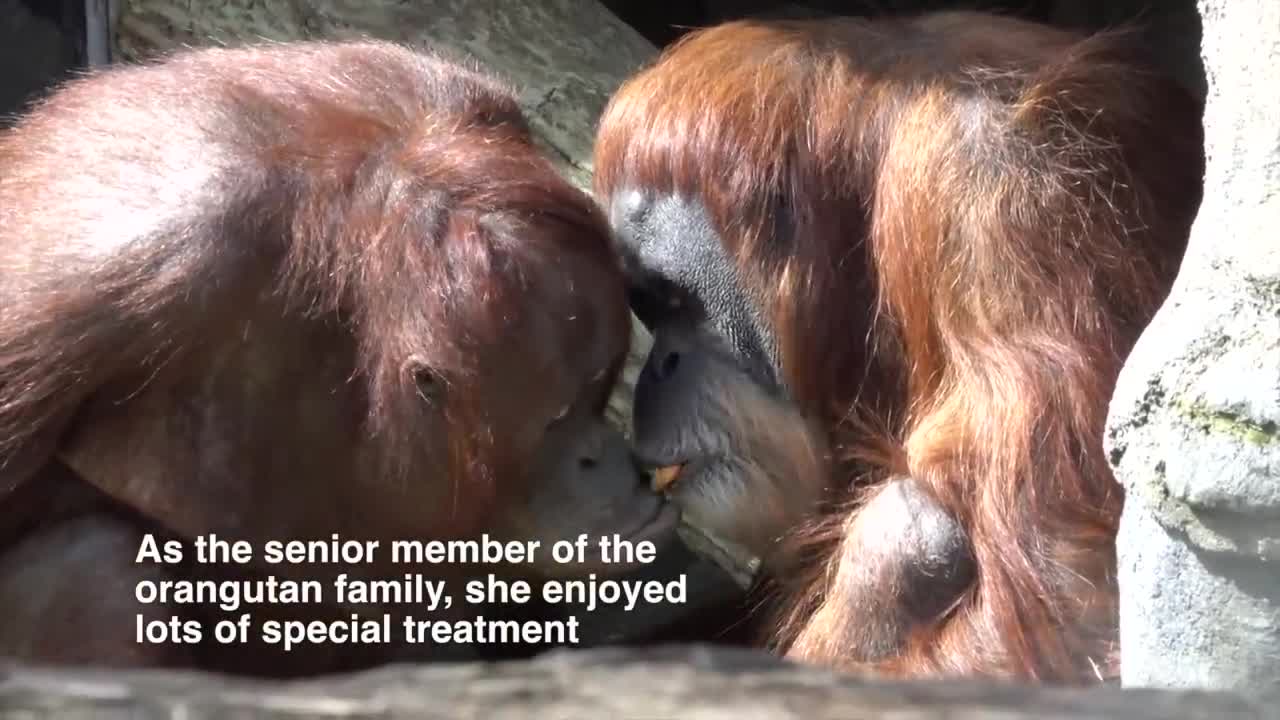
<point>41,42</point>
<point>1170,28</point>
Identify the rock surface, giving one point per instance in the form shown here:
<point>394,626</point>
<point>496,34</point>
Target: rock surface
<point>1194,431</point>
<point>566,57</point>
<point>685,683</point>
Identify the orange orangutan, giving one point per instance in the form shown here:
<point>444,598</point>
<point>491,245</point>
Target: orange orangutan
<point>892,269</point>
<point>282,292</point>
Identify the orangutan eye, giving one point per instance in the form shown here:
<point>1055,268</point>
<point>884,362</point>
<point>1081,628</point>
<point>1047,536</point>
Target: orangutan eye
<point>425,379</point>
<point>564,412</point>
<point>429,384</point>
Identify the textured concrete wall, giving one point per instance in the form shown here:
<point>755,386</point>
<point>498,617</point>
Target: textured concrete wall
<point>1193,430</point>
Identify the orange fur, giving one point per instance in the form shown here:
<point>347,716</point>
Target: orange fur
<point>960,224</point>
<point>393,194</point>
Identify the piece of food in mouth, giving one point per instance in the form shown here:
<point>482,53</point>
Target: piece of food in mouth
<point>737,562</point>
<point>665,477</point>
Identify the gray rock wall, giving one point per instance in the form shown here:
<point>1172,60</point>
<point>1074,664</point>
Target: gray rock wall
<point>659,684</point>
<point>1193,432</point>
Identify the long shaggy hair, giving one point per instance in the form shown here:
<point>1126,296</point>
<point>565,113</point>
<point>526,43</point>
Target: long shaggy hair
<point>959,224</point>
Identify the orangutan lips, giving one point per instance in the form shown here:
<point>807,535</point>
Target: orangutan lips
<point>665,477</point>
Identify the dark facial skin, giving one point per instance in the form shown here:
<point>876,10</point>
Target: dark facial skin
<point>712,401</point>
<point>584,477</point>
<point>709,398</point>
<point>588,482</point>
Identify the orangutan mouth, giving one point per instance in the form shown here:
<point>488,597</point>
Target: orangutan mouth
<point>665,477</point>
